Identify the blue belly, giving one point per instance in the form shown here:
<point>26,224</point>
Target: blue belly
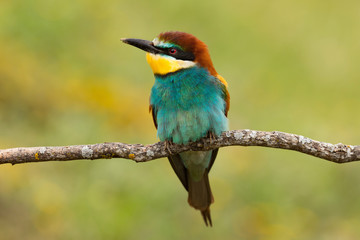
<point>187,105</point>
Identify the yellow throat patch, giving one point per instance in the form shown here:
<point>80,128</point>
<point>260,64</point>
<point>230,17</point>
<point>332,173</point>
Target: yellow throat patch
<point>163,65</point>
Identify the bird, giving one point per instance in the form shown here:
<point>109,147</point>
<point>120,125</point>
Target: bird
<point>189,101</point>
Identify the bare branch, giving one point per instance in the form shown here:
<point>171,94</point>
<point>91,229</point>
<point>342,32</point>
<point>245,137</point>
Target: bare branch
<point>338,153</point>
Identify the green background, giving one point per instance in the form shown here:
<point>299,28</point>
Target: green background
<point>66,78</point>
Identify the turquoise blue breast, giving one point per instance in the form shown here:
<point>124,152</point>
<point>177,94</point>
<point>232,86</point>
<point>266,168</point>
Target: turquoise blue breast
<point>188,104</point>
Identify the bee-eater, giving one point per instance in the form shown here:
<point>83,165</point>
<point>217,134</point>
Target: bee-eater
<point>188,101</point>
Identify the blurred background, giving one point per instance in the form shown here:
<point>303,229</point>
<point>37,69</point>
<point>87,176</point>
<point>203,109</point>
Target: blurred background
<point>66,78</point>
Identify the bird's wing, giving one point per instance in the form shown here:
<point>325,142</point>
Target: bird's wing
<point>175,160</point>
<point>153,111</point>
<point>226,94</point>
<point>226,97</point>
<point>179,169</point>
<point>213,157</point>
<point>227,100</point>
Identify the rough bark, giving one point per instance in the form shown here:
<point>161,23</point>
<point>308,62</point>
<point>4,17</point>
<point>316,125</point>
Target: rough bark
<point>338,153</point>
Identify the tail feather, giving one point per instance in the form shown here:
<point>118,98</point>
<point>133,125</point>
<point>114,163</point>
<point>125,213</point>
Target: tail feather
<point>206,216</point>
<point>200,196</point>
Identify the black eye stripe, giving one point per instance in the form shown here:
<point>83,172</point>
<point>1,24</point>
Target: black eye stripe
<point>180,54</point>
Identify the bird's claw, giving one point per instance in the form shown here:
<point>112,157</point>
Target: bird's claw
<point>211,137</point>
<point>167,146</point>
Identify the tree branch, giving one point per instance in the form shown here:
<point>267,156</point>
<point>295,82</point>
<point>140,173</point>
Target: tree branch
<point>338,153</point>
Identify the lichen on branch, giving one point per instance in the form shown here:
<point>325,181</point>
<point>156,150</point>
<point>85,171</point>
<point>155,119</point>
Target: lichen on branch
<point>338,153</point>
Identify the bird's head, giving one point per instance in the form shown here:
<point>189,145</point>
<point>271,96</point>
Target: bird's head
<point>172,51</point>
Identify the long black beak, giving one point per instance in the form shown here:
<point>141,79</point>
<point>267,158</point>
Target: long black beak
<point>145,45</point>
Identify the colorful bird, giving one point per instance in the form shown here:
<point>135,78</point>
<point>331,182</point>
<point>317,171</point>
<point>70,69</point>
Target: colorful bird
<point>188,101</point>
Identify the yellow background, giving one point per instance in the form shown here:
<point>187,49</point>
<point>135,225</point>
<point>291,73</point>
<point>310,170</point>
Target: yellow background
<point>66,78</point>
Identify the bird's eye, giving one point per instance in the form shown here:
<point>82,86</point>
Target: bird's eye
<point>172,50</point>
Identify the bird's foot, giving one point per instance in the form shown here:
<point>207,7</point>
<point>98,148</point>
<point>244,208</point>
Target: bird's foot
<point>211,136</point>
<point>168,144</point>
